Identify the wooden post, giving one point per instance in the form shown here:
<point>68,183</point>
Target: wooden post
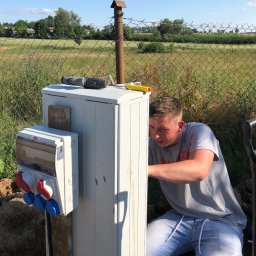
<point>59,227</point>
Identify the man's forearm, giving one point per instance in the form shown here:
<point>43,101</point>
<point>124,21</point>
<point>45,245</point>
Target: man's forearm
<point>178,172</point>
<point>194,169</point>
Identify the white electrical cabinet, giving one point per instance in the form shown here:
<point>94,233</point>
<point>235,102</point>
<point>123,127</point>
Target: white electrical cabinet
<point>112,126</point>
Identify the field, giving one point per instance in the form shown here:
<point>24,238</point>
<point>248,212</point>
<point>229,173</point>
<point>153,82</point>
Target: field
<point>216,84</point>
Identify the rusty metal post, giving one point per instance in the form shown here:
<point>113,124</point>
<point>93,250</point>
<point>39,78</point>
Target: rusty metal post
<point>118,15</point>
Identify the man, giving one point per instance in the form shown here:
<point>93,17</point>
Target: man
<point>187,159</point>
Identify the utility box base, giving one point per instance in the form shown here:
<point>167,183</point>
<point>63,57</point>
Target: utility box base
<point>112,126</point>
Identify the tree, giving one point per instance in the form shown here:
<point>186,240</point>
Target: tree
<point>78,31</point>
<point>74,27</point>
<point>128,32</point>
<point>107,32</point>
<point>61,22</point>
<point>31,24</point>
<point>88,29</point>
<point>63,25</point>
<point>171,27</point>
<point>21,27</point>
<point>50,21</point>
<point>8,32</point>
<point>67,24</point>
<point>1,30</point>
<point>177,26</point>
<point>165,26</point>
<point>41,28</point>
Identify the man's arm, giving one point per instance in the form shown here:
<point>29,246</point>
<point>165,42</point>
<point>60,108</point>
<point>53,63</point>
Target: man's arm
<point>196,168</point>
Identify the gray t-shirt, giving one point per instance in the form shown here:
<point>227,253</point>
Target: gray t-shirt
<point>212,198</point>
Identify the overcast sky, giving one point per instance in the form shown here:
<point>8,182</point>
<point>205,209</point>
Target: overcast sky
<point>98,12</point>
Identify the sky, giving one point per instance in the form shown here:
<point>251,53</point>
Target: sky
<point>98,12</point>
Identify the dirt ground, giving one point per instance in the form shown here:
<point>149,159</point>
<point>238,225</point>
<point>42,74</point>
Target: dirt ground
<point>22,228</point>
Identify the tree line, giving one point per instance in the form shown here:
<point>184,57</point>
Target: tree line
<point>63,25</point>
<point>67,25</point>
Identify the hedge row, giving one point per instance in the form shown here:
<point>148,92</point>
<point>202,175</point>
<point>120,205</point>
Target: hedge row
<point>198,38</point>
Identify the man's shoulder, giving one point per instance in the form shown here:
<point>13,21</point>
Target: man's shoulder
<point>198,131</point>
<point>194,126</point>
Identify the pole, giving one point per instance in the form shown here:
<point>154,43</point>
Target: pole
<point>118,15</point>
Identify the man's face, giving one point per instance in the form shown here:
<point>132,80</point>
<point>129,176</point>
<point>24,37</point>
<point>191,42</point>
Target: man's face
<point>165,131</point>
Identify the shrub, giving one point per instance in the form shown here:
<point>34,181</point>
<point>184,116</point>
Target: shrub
<point>155,47</point>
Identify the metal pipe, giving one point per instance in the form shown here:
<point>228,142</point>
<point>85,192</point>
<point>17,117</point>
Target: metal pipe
<point>118,15</point>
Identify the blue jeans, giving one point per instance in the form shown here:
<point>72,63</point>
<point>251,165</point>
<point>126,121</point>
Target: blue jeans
<point>175,234</point>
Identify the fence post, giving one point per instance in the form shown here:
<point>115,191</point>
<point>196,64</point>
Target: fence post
<point>118,15</point>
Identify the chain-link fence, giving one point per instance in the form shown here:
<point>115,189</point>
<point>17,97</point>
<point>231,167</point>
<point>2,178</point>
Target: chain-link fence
<point>210,67</point>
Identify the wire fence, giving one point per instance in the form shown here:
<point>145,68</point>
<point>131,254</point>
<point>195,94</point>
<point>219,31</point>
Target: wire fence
<point>210,67</point>
<point>212,70</point>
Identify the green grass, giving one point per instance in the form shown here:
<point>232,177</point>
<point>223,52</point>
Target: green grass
<point>216,84</point>
<point>8,128</point>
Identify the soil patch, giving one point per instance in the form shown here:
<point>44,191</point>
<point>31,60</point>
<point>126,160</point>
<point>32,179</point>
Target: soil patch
<point>22,228</point>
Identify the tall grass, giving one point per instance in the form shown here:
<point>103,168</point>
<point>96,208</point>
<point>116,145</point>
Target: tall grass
<point>216,84</point>
<point>20,105</point>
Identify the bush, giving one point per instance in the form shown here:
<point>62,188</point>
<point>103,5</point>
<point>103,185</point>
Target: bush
<point>200,38</point>
<point>155,47</point>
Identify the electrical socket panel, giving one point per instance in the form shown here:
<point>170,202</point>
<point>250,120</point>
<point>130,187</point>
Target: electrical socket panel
<point>48,168</point>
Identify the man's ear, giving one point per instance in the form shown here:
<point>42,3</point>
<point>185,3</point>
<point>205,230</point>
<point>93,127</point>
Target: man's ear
<point>181,125</point>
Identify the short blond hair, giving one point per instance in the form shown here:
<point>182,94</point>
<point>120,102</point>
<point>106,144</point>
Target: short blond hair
<point>165,106</point>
